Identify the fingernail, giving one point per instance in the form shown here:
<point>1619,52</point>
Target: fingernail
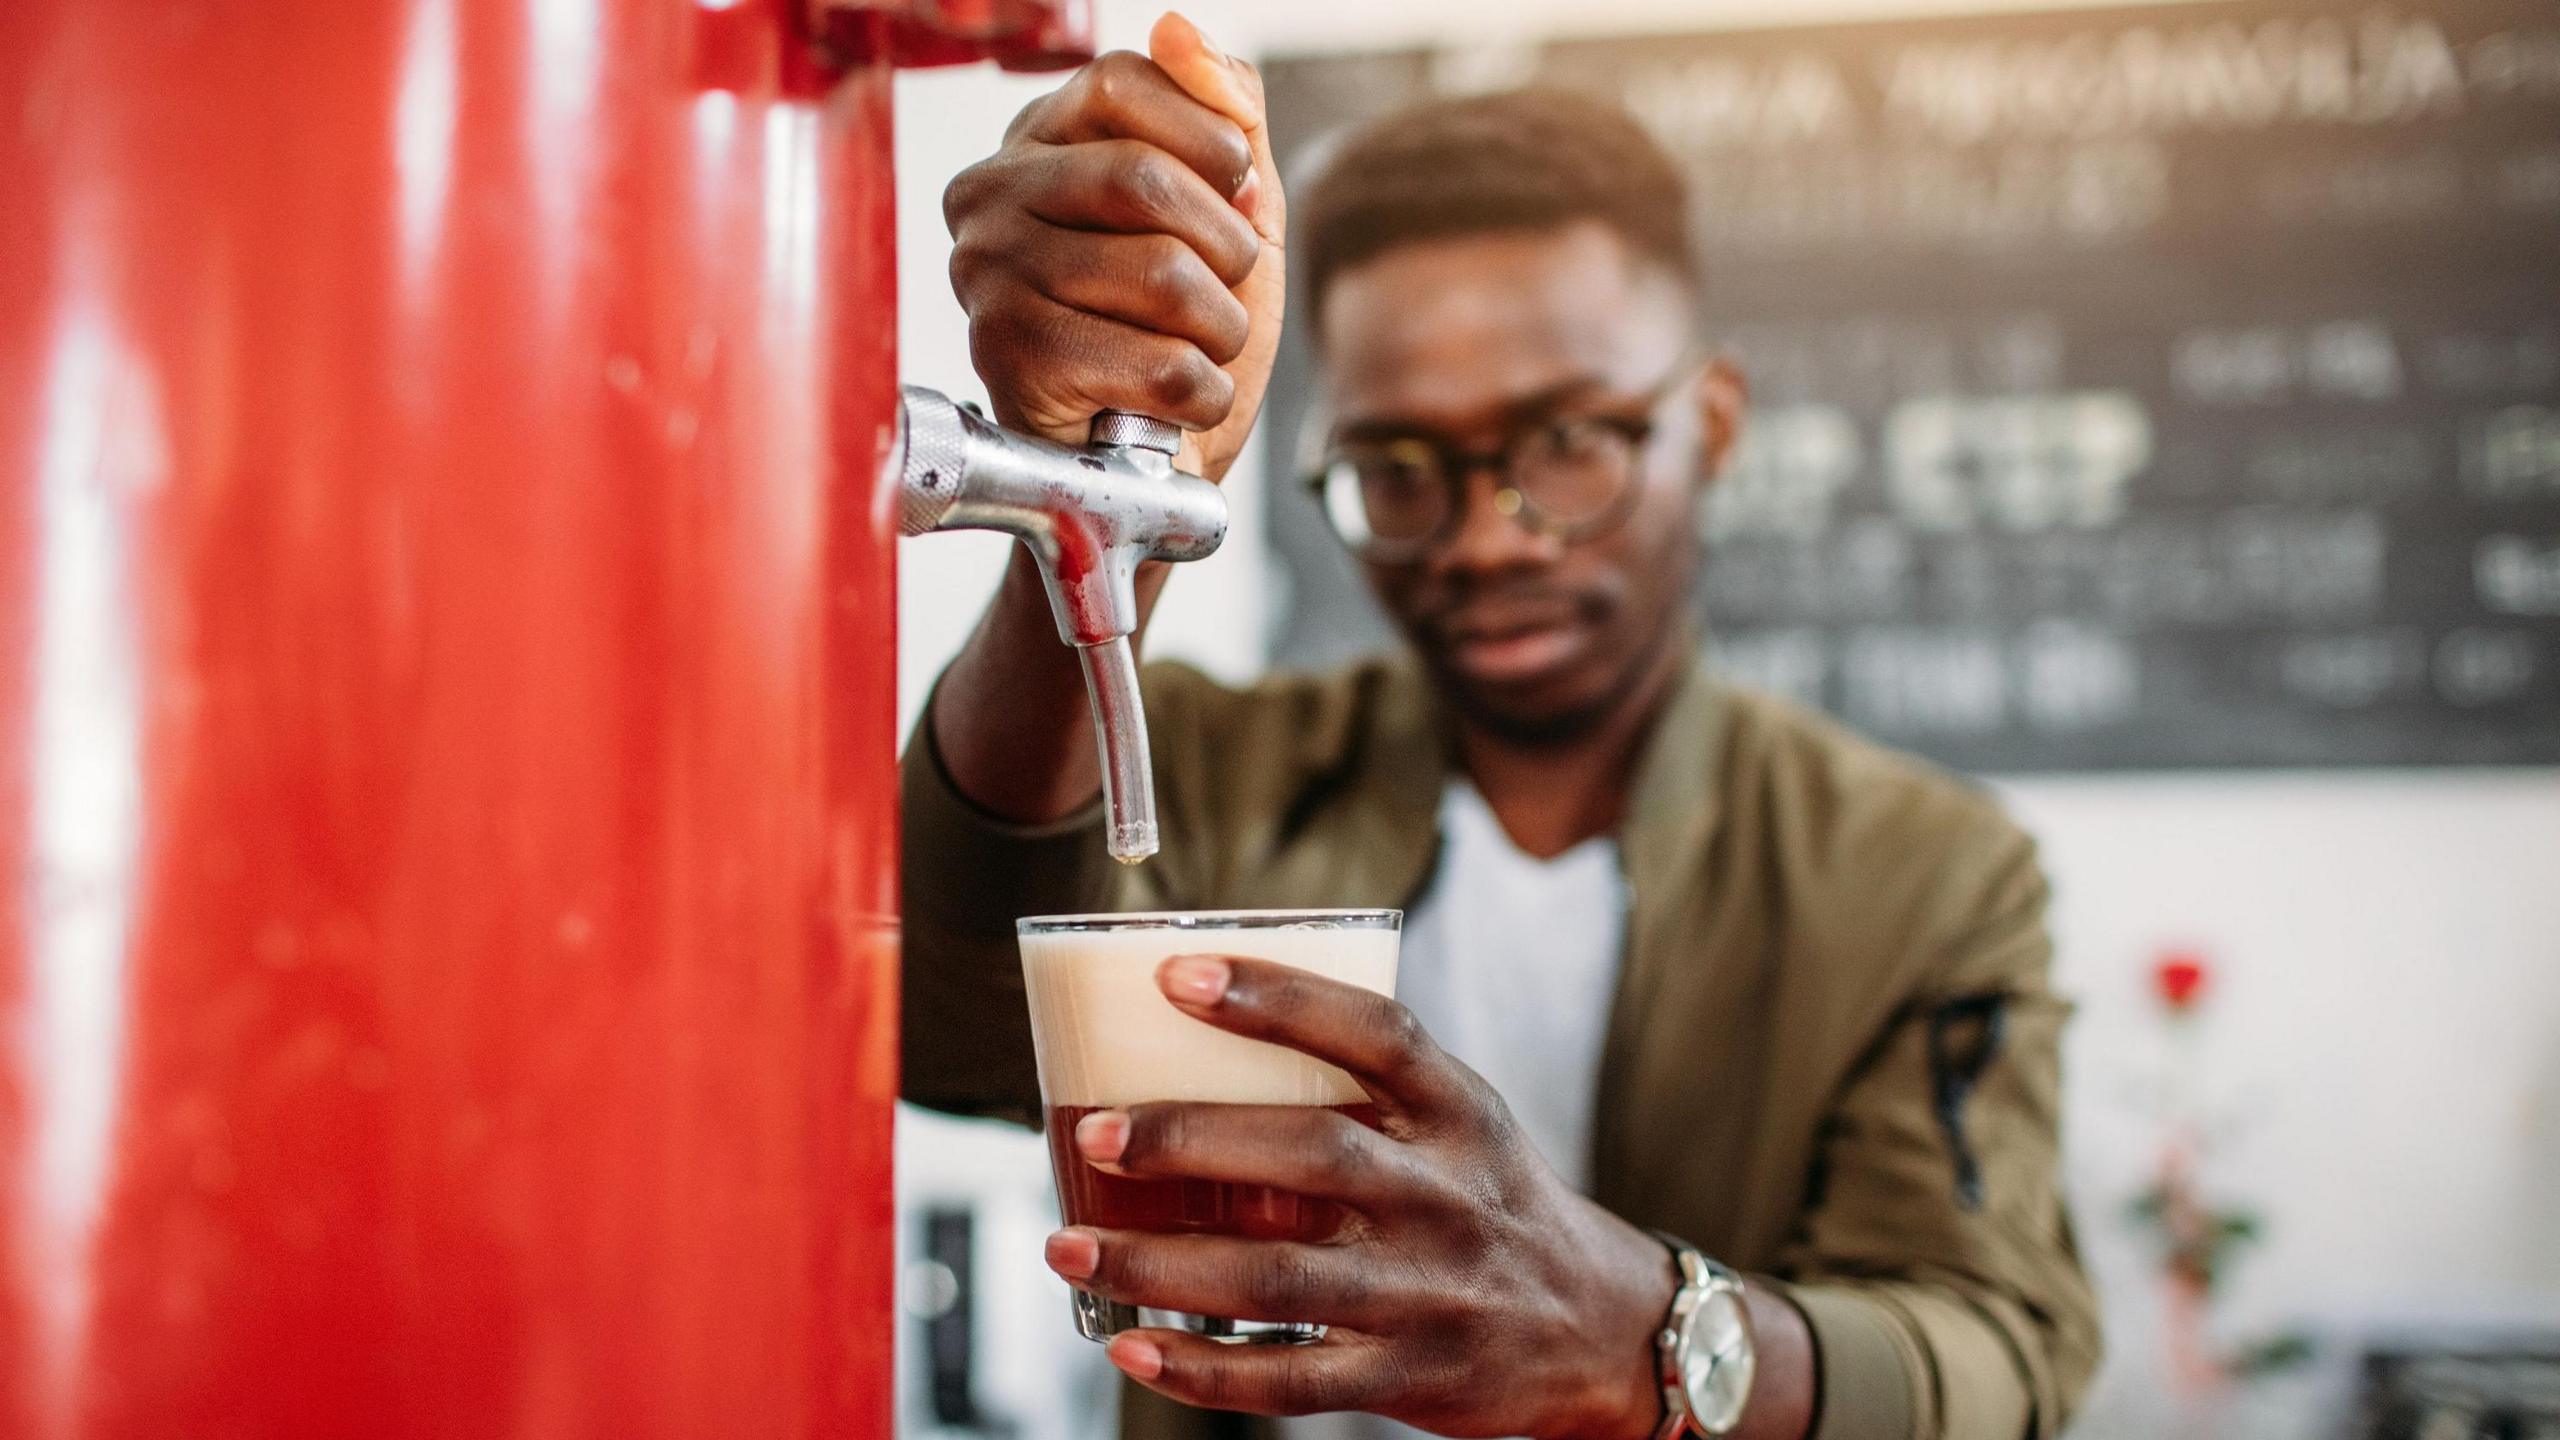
<point>1074,1254</point>
<point>1194,979</point>
<point>1246,189</point>
<point>1209,45</point>
<point>1138,1359</point>
<point>1103,1135</point>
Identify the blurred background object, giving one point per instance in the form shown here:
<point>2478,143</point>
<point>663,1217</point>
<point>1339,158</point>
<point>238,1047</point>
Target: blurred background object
<point>2450,1389</point>
<point>2158,416</point>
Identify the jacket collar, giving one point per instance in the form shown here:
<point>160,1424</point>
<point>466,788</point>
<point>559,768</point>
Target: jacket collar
<point>1674,805</point>
<point>1671,821</point>
<point>1394,804</point>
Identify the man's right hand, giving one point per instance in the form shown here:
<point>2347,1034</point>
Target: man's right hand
<point>1123,251</point>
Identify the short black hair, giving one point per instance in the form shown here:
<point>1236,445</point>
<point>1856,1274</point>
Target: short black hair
<point>1514,160</point>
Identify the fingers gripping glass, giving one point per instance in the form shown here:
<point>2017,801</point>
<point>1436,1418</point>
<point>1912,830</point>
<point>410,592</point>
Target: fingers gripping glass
<point>1571,476</point>
<point>1105,1038</point>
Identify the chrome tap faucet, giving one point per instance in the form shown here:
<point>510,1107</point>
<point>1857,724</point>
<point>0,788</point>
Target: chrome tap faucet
<point>1089,516</point>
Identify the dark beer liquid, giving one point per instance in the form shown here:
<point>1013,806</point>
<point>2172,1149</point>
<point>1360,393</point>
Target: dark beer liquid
<point>1087,1196</point>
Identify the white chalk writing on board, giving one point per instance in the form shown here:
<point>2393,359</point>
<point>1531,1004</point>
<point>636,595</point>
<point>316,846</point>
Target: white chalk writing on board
<point>2018,463</point>
<point>2517,574</point>
<point>2346,359</point>
<point>2484,667</point>
<point>1788,475</point>
<point>2513,454</point>
<point>2354,669</point>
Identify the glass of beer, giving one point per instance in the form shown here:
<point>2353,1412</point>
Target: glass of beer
<point>1107,1038</point>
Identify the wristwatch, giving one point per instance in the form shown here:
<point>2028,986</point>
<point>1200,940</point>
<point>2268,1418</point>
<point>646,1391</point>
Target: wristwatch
<point>1703,1352</point>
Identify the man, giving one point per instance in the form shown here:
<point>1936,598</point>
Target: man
<point>1703,964</point>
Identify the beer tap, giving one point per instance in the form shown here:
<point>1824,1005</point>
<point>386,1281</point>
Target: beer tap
<point>1089,515</point>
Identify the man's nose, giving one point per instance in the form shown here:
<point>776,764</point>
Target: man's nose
<point>1491,533</point>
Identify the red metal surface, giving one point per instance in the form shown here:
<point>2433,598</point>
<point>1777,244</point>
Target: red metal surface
<point>446,689</point>
<point>1027,35</point>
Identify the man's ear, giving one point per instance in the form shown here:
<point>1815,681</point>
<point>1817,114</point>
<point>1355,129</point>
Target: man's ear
<point>1723,397</point>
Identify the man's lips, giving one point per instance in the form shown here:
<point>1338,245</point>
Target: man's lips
<point>1513,645</point>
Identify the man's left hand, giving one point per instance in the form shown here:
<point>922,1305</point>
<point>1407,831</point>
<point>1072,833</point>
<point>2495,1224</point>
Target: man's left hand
<point>1471,1292</point>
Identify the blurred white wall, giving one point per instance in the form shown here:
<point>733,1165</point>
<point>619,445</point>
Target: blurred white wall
<point>2384,1043</point>
<point>2378,1055</point>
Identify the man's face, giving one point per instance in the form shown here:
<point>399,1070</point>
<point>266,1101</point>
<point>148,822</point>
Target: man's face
<point>1464,341</point>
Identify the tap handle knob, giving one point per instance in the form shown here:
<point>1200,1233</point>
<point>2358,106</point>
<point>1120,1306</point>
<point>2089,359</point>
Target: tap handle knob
<point>1130,429</point>
<point>935,466</point>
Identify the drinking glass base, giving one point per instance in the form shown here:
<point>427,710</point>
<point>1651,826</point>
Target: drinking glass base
<point>1099,1319</point>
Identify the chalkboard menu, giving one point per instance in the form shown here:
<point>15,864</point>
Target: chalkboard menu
<point>2162,387</point>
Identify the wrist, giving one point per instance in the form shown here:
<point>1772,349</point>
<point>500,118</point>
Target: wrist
<point>1625,1399</point>
<point>1009,716</point>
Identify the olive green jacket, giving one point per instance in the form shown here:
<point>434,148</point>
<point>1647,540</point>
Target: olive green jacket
<point>1832,1053</point>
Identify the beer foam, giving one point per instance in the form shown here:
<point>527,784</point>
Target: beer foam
<point>1105,1035</point>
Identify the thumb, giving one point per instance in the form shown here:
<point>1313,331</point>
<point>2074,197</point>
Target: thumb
<point>1233,89</point>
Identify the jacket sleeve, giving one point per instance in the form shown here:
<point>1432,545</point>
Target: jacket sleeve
<point>965,876</point>
<point>1936,1264</point>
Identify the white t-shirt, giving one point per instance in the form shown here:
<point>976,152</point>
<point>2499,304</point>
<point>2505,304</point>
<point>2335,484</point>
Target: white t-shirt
<point>1510,963</point>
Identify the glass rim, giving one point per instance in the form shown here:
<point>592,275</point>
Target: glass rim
<point>1211,920</point>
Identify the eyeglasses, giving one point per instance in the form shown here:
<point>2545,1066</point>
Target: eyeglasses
<point>1570,476</point>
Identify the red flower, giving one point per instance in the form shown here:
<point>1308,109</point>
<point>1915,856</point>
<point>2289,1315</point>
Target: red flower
<point>2180,976</point>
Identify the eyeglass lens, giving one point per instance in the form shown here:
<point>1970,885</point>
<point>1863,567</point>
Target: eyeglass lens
<point>1570,473</point>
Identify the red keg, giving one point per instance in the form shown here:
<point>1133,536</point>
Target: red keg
<point>446,683</point>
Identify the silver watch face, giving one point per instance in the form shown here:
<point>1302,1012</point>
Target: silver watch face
<point>1716,1362</point>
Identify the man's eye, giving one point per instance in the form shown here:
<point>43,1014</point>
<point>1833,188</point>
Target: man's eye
<point>1577,437</point>
<point>1394,474</point>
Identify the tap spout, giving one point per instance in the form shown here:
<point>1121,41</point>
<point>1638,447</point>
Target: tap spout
<point>1090,516</point>
<point>1120,728</point>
